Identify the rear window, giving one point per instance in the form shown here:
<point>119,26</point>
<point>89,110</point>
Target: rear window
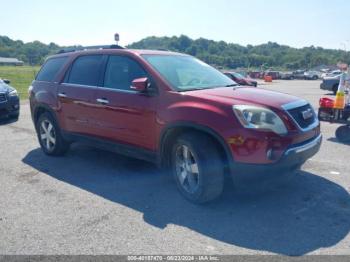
<point>50,69</point>
<point>86,70</point>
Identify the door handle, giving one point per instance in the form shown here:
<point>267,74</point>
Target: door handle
<point>62,95</point>
<point>102,101</point>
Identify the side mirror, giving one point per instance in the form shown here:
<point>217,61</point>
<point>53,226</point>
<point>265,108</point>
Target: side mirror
<point>6,81</point>
<point>139,84</point>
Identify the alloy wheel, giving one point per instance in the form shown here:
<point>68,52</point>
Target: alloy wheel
<point>47,135</point>
<point>186,169</point>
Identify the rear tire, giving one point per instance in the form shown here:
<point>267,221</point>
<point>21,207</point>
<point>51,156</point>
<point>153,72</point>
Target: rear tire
<point>50,137</point>
<point>197,167</point>
<point>343,134</point>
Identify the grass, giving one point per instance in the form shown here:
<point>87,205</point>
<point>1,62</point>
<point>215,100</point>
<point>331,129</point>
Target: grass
<point>20,76</point>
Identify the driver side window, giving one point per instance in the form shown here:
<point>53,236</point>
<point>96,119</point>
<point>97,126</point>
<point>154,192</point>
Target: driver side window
<point>121,71</point>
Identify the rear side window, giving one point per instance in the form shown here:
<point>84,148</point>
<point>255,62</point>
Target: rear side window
<point>86,70</point>
<point>50,69</point>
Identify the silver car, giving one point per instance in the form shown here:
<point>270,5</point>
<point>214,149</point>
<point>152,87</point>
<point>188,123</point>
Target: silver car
<point>311,75</point>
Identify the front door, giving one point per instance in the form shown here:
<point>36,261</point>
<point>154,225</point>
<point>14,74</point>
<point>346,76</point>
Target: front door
<point>122,114</point>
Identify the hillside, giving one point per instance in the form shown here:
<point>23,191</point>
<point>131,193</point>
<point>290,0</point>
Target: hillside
<point>218,53</point>
<point>234,55</point>
<point>32,53</point>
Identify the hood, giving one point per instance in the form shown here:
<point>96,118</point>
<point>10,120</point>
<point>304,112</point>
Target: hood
<point>4,88</point>
<point>245,95</point>
<point>249,80</point>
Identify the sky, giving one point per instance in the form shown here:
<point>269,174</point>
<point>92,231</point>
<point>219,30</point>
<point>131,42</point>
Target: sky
<point>295,23</point>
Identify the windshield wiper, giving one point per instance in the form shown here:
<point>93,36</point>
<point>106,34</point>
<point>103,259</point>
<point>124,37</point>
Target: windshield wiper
<point>192,89</point>
<point>231,85</point>
<point>209,87</point>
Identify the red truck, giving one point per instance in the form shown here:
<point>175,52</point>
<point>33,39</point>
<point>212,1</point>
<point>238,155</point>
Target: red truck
<point>173,110</point>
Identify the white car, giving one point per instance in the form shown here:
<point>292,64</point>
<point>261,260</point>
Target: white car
<point>331,74</point>
<point>311,75</point>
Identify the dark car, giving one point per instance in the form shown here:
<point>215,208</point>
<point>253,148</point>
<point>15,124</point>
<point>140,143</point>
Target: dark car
<point>175,111</point>
<point>238,78</point>
<point>255,74</point>
<point>273,74</point>
<point>9,100</point>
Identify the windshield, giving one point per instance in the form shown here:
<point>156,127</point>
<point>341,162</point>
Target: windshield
<point>186,73</point>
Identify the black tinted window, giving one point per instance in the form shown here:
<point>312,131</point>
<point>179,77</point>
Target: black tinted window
<point>51,68</point>
<point>121,71</point>
<point>86,70</point>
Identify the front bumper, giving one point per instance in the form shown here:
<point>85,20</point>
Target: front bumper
<point>10,107</point>
<point>291,159</point>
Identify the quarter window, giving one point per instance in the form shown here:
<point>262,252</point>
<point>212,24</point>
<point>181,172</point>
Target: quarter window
<point>121,71</point>
<point>86,70</point>
<point>50,69</point>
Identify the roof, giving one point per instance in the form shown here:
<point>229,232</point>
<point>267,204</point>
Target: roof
<point>153,52</point>
<point>118,51</point>
<point>9,60</point>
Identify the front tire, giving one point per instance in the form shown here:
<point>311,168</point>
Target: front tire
<point>50,137</point>
<point>197,167</point>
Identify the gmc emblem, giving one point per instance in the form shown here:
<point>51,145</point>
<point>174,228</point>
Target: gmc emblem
<point>307,114</point>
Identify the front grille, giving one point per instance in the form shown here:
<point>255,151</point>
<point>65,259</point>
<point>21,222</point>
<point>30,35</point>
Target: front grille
<point>297,114</point>
<point>2,97</point>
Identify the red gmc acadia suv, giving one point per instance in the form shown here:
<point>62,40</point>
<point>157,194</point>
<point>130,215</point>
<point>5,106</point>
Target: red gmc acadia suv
<point>174,110</point>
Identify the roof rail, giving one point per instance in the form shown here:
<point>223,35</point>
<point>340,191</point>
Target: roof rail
<point>83,48</point>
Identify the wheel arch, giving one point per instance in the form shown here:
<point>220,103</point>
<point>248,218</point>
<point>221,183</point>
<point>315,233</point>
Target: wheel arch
<point>170,133</point>
<point>40,109</point>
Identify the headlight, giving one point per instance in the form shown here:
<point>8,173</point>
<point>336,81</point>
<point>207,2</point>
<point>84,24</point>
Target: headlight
<point>260,118</point>
<point>13,93</point>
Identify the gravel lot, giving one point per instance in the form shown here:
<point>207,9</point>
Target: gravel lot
<point>96,202</point>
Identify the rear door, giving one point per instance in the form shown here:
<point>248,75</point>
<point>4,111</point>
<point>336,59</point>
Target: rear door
<point>122,114</point>
<point>76,94</point>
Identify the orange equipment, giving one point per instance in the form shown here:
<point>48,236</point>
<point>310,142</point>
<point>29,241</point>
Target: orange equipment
<point>268,78</point>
